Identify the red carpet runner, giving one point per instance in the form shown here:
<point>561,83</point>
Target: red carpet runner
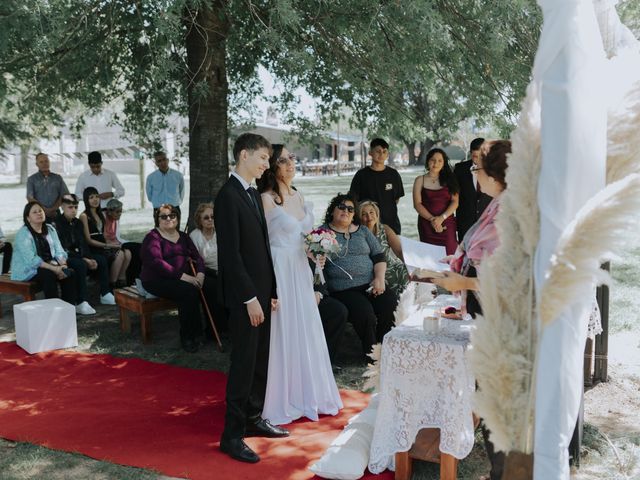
<point>144,414</point>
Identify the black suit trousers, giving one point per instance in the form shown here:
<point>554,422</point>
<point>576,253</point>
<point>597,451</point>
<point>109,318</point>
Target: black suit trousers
<point>247,382</point>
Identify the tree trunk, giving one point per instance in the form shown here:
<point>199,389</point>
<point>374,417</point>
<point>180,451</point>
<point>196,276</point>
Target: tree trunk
<point>24,164</point>
<point>425,146</point>
<point>208,135</point>
<point>411,148</point>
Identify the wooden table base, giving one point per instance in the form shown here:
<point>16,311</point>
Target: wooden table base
<point>427,448</point>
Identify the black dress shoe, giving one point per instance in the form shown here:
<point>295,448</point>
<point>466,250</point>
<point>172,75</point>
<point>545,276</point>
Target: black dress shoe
<point>238,450</point>
<point>262,428</point>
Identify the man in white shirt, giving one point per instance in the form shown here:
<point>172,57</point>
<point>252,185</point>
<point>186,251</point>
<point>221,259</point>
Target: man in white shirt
<point>103,180</point>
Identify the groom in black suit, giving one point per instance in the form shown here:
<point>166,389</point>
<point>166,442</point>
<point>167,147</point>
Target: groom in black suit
<point>472,201</point>
<point>248,290</point>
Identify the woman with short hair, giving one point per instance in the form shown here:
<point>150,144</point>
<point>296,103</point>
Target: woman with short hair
<point>204,238</point>
<point>113,212</point>
<point>167,255</point>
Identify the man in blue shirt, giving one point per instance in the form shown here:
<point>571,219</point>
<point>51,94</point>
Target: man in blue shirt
<point>165,186</point>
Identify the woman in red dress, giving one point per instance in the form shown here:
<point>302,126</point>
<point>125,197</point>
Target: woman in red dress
<point>435,198</point>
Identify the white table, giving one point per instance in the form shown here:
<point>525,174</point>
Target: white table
<point>425,382</point>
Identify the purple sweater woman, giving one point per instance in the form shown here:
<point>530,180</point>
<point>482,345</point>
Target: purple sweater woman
<point>166,254</point>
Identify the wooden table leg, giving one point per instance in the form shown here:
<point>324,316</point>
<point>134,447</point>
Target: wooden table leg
<point>404,466</point>
<point>145,327</point>
<point>125,324</point>
<point>448,467</point>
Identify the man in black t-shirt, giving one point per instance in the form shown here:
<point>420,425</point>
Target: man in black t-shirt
<point>380,183</point>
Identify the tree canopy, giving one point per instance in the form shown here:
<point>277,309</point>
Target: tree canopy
<point>412,70</point>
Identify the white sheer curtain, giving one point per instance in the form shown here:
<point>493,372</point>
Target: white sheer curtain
<point>568,71</point>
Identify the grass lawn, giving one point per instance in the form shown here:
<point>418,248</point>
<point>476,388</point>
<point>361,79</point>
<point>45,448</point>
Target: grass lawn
<point>101,334</point>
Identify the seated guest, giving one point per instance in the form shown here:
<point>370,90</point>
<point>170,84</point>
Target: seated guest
<point>79,257</point>
<point>355,274</point>
<point>204,238</point>
<point>166,272</point>
<point>397,276</point>
<point>333,315</point>
<point>7,251</point>
<point>112,216</point>
<point>93,222</point>
<point>38,256</point>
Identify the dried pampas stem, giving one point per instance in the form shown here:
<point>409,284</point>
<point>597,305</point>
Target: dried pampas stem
<point>600,227</point>
<point>623,134</point>
<point>504,342</point>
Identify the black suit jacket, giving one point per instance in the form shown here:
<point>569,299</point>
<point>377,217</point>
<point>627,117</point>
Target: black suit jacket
<point>471,203</point>
<point>244,257</point>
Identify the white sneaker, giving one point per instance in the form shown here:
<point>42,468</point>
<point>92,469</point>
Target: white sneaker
<point>85,309</point>
<point>107,299</point>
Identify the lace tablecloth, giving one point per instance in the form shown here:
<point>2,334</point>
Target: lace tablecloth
<point>425,382</point>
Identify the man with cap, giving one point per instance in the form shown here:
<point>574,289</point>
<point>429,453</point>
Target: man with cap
<point>79,257</point>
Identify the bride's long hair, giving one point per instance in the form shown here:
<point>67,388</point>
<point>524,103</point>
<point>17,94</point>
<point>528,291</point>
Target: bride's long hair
<point>268,181</point>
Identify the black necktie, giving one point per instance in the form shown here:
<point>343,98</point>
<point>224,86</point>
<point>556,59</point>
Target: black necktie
<point>252,195</point>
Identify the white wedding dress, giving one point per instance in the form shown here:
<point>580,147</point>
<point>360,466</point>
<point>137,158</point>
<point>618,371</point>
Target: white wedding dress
<point>300,380</point>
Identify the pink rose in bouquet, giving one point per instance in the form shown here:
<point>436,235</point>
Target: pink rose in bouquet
<point>320,241</point>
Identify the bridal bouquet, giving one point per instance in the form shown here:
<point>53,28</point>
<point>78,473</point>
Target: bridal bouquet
<point>320,241</point>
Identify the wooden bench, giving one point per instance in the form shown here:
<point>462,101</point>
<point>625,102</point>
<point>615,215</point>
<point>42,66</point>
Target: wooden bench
<point>427,448</point>
<point>27,290</point>
<point>129,299</point>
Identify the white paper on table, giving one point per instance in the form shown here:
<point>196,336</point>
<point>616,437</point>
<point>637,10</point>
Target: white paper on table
<point>423,255</point>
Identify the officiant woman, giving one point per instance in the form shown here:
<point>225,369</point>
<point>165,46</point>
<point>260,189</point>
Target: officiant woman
<point>356,273</point>
<point>480,241</point>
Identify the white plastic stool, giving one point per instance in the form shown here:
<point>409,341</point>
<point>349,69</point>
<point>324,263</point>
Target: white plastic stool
<point>43,325</point>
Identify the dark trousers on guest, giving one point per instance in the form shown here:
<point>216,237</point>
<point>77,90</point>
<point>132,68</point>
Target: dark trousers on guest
<point>187,297</point>
<point>334,319</point>
<point>371,317</point>
<point>102,272</point>
<point>48,281</point>
<point>220,315</point>
<point>133,270</point>
<point>247,381</point>
<point>82,270</point>
<point>7,252</point>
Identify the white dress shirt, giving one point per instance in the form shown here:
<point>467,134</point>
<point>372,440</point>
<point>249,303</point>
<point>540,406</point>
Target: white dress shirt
<point>107,181</point>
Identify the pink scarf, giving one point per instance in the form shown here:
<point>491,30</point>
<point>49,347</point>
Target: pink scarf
<point>479,241</point>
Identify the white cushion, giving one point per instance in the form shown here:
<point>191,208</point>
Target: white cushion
<point>348,455</point>
<point>43,325</point>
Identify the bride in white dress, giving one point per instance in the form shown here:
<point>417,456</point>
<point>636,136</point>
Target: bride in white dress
<point>300,379</point>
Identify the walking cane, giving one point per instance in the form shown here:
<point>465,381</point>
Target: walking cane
<point>206,309</point>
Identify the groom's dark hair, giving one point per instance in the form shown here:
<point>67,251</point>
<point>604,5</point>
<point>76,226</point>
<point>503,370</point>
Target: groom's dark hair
<point>249,141</point>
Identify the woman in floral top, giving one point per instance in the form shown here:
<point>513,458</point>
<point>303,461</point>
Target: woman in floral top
<point>396,276</point>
